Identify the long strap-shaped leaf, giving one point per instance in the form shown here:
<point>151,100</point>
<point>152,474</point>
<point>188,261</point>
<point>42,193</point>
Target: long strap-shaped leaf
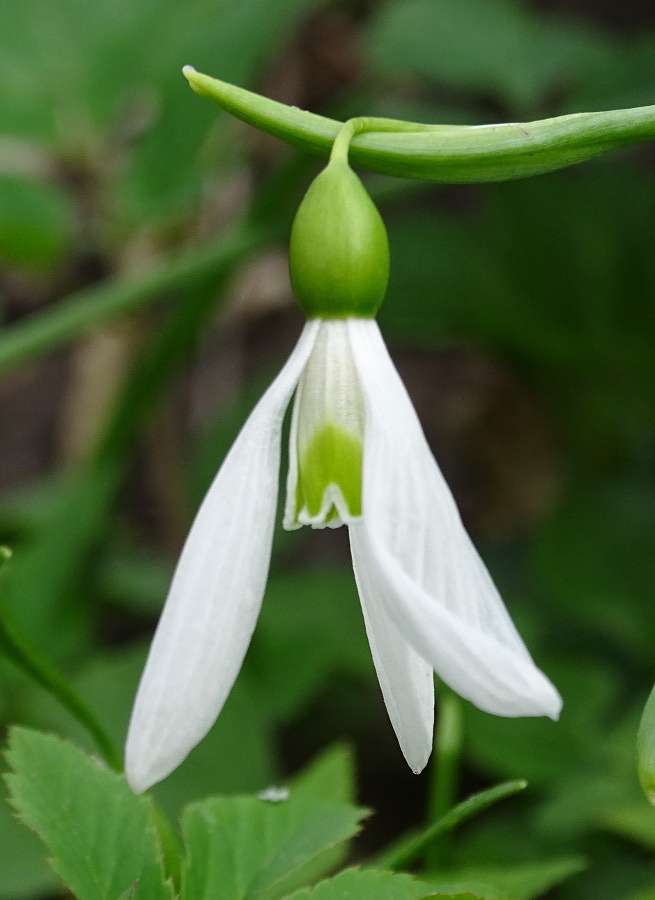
<point>443,153</point>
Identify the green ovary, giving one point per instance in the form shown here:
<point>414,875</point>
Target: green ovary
<point>333,456</point>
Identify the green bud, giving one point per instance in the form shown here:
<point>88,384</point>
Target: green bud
<point>339,252</point>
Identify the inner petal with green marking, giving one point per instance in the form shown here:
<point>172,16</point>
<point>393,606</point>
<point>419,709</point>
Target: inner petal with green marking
<point>324,485</point>
<point>330,470</point>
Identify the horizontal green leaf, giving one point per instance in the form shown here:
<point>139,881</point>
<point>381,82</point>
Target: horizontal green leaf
<point>443,153</point>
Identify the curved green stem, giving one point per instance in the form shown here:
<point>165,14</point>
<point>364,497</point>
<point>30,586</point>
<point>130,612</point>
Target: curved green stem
<point>362,125</point>
<point>341,145</point>
<point>442,153</point>
<point>405,852</point>
<point>18,650</point>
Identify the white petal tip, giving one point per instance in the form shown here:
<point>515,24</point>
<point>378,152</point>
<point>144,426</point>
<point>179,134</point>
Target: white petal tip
<point>546,700</point>
<point>137,781</point>
<point>418,768</point>
<point>418,756</point>
<point>142,768</point>
<point>555,706</point>
<point>542,700</point>
<point>147,761</point>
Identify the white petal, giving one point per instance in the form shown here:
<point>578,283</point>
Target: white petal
<point>421,563</point>
<point>216,593</point>
<point>405,677</point>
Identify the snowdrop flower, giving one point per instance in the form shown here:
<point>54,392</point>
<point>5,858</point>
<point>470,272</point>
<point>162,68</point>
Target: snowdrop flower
<point>357,457</point>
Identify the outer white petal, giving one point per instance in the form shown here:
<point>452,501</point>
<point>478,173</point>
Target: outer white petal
<point>405,677</point>
<point>421,565</point>
<point>216,593</point>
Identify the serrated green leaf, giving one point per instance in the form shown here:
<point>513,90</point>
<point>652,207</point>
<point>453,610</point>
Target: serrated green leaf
<point>372,884</point>
<point>99,834</point>
<point>329,777</point>
<point>128,894</point>
<point>244,848</point>
<point>24,872</point>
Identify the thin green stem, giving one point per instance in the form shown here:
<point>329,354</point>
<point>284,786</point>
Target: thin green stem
<point>367,125</point>
<point>341,146</point>
<point>445,765</point>
<point>411,848</point>
<point>16,647</point>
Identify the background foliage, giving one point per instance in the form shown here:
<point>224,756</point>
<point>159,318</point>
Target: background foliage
<point>521,316</point>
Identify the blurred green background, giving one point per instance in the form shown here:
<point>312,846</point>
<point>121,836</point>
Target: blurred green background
<point>521,316</point>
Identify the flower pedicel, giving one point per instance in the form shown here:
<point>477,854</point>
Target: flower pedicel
<point>357,457</point>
